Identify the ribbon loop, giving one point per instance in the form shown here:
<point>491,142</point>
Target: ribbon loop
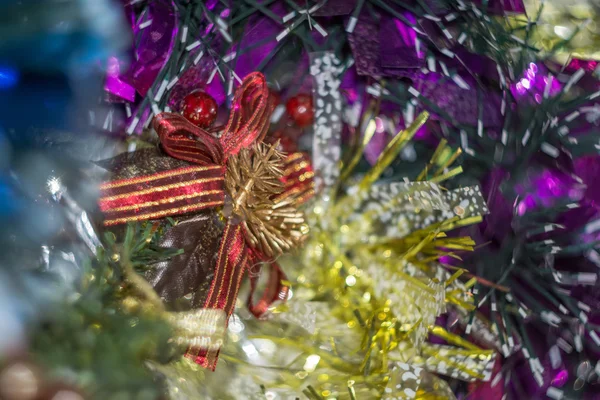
<point>249,118</point>
<point>248,123</point>
<point>275,289</point>
<point>174,132</point>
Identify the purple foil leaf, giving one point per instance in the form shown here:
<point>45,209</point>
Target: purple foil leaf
<point>216,89</point>
<point>501,7</point>
<point>196,78</point>
<point>155,45</point>
<point>335,7</point>
<point>588,169</point>
<point>258,29</point>
<point>477,64</point>
<point>398,44</point>
<point>364,42</point>
<point>437,7</point>
<point>532,84</point>
<point>210,4</point>
<point>588,65</point>
<point>114,84</point>
<point>462,105</point>
<point>376,55</point>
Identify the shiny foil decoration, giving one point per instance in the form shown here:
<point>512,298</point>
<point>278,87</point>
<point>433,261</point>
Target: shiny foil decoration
<point>368,286</point>
<point>235,202</point>
<point>366,298</point>
<point>156,39</point>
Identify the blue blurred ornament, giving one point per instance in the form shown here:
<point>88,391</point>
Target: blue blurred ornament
<point>9,77</point>
<point>52,60</point>
<point>52,56</point>
<point>61,35</point>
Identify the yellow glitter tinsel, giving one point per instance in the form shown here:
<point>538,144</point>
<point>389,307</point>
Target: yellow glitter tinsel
<point>366,290</point>
<point>563,28</point>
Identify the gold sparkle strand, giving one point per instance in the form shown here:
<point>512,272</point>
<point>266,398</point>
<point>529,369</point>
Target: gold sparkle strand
<point>392,150</point>
<point>452,173</point>
<point>453,339</point>
<point>335,251</point>
<point>453,362</point>
<point>451,298</point>
<point>454,277</point>
<point>369,133</point>
<point>432,161</point>
<point>455,244</point>
<point>413,251</point>
<point>351,390</point>
<point>369,115</point>
<point>309,348</point>
<point>471,282</point>
<point>455,223</point>
<point>448,162</point>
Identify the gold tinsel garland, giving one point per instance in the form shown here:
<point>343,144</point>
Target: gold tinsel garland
<point>367,288</point>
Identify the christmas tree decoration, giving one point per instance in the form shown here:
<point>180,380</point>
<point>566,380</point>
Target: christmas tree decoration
<point>348,265</point>
<point>408,187</point>
<point>237,173</point>
<point>368,242</point>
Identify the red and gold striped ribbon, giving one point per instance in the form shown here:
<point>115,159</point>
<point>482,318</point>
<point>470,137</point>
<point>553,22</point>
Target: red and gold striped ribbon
<point>163,194</point>
<point>201,186</point>
<point>298,178</point>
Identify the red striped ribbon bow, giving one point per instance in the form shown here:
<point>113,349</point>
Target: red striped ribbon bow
<point>202,185</point>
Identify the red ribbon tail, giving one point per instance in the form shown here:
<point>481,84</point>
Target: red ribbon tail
<point>232,262</point>
<point>274,291</point>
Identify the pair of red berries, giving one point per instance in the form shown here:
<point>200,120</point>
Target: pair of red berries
<point>201,109</point>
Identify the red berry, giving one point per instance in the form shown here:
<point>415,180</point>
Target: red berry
<point>275,97</point>
<point>300,109</point>
<point>286,143</point>
<point>200,109</point>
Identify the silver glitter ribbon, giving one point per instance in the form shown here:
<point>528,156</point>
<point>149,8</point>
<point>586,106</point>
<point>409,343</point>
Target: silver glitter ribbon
<point>325,69</point>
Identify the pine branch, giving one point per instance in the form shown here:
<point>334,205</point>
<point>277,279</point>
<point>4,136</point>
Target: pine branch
<point>102,335</point>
